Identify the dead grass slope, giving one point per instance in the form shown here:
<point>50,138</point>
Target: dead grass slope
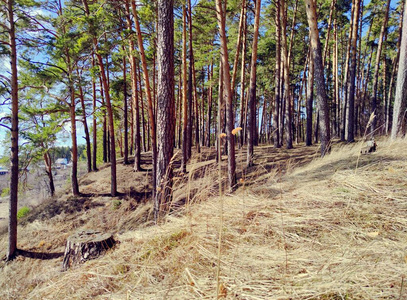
<point>329,229</point>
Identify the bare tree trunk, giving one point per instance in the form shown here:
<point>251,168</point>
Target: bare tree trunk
<point>251,122</point>
<point>94,148</point>
<point>400,100</point>
<point>287,91</point>
<point>310,7</point>
<point>185,114</point>
<point>228,91</point>
<point>310,99</point>
<point>85,128</point>
<point>125,114</point>
<point>165,103</point>
<point>209,112</point>
<point>376,68</point>
<point>48,170</point>
<point>277,97</point>
<point>13,204</point>
<point>238,45</point>
<point>243,120</point>
<point>352,74</point>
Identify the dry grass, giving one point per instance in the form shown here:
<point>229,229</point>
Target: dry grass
<point>325,230</point>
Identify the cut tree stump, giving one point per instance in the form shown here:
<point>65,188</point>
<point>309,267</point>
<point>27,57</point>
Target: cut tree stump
<point>85,245</point>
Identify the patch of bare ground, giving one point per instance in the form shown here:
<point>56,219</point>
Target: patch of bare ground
<point>298,227</point>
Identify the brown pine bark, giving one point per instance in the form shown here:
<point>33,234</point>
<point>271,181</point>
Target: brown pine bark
<point>185,113</point>
<point>134,93</point>
<point>400,100</point>
<point>165,103</point>
<point>310,8</point>
<point>13,204</point>
<point>277,95</point>
<point>383,31</point>
<point>48,170</point>
<point>228,93</point>
<point>85,126</point>
<point>286,67</point>
<point>94,146</point>
<point>352,74</point>
<point>242,20</point>
<point>125,115</point>
<point>310,100</point>
<point>243,120</point>
<point>209,111</point>
<point>251,122</point>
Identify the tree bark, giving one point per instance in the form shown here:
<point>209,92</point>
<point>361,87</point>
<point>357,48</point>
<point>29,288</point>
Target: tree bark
<point>376,68</point>
<point>277,95</point>
<point>94,146</point>
<point>310,99</point>
<point>251,122</point>
<point>85,127</point>
<point>287,91</point>
<point>352,74</point>
<point>13,204</point>
<point>185,114</point>
<point>228,92</point>
<point>400,100</point>
<point>310,7</point>
<point>165,103</point>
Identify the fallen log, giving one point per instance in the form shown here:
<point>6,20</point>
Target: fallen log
<point>85,245</point>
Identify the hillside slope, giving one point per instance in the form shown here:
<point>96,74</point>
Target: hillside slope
<point>298,227</point>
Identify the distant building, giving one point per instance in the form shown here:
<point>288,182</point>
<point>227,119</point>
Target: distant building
<point>3,171</point>
<point>61,163</point>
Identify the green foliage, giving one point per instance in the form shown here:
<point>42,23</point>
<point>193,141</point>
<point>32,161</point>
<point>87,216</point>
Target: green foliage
<point>22,212</point>
<point>5,192</point>
<point>116,204</point>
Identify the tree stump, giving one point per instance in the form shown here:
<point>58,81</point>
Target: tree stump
<point>85,245</point>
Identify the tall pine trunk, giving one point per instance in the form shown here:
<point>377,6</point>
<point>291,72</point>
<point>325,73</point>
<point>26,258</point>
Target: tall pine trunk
<point>13,204</point>
<point>228,93</point>
<point>310,7</point>
<point>165,103</point>
<point>251,122</point>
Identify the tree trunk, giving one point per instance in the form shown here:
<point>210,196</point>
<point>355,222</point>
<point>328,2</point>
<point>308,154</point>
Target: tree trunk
<point>352,74</point>
<point>310,99</point>
<point>85,128</point>
<point>94,146</point>
<point>319,76</point>
<point>165,104</point>
<point>48,168</point>
<point>228,92</point>
<point>243,120</point>
<point>400,100</point>
<point>251,122</point>
<point>185,114</point>
<point>134,93</point>
<point>376,68</point>
<point>277,95</point>
<point>209,112</point>
<point>287,91</point>
<point>125,114</point>
<point>13,204</point>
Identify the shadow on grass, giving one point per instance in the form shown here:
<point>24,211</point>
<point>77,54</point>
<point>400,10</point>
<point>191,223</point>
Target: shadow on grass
<point>39,255</point>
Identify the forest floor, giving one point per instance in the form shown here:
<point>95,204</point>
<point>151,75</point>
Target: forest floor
<point>297,227</point>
